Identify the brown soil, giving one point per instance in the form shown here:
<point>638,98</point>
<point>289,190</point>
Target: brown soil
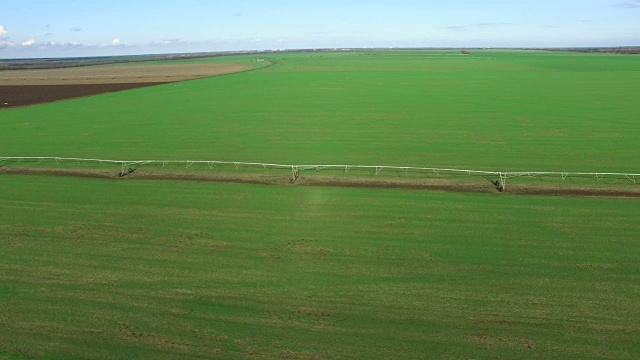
<point>15,95</point>
<point>117,74</point>
<point>428,184</point>
<point>29,87</point>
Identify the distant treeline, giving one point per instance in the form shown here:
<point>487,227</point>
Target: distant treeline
<point>59,63</point>
<point>607,50</point>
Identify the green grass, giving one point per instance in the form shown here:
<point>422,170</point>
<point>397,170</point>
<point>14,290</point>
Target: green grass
<point>152,269</point>
<point>492,110</point>
<point>145,269</point>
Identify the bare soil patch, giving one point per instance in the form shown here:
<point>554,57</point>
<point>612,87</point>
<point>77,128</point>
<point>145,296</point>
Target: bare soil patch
<point>30,87</point>
<point>15,95</point>
<point>379,183</point>
<point>117,74</point>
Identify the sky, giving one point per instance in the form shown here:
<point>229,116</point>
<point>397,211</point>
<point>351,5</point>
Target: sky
<point>70,28</point>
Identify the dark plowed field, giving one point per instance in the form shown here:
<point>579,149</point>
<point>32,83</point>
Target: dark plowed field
<point>22,95</point>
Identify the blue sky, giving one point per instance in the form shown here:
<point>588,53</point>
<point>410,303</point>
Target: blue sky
<point>66,28</point>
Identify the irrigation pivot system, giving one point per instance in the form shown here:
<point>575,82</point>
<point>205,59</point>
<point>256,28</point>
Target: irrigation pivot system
<point>128,166</point>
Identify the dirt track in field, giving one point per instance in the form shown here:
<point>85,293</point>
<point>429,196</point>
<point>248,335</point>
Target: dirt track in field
<point>377,183</point>
<point>30,87</point>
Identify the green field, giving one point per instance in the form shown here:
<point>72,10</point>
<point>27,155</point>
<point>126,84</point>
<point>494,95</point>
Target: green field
<point>131,268</point>
<point>144,269</point>
<point>504,111</point>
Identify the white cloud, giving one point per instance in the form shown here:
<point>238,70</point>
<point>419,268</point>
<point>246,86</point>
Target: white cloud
<point>630,4</point>
<point>6,44</point>
<point>29,42</point>
<point>3,30</point>
<point>66,45</point>
<point>167,42</point>
<point>469,27</point>
<point>116,42</point>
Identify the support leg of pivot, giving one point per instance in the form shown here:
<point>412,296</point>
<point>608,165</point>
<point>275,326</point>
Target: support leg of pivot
<point>500,184</point>
<point>125,170</point>
<point>503,182</point>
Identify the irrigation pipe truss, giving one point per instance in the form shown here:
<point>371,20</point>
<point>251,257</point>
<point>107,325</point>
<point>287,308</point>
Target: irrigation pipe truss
<point>127,165</point>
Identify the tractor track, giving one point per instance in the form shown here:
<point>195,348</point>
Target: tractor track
<point>449,185</point>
